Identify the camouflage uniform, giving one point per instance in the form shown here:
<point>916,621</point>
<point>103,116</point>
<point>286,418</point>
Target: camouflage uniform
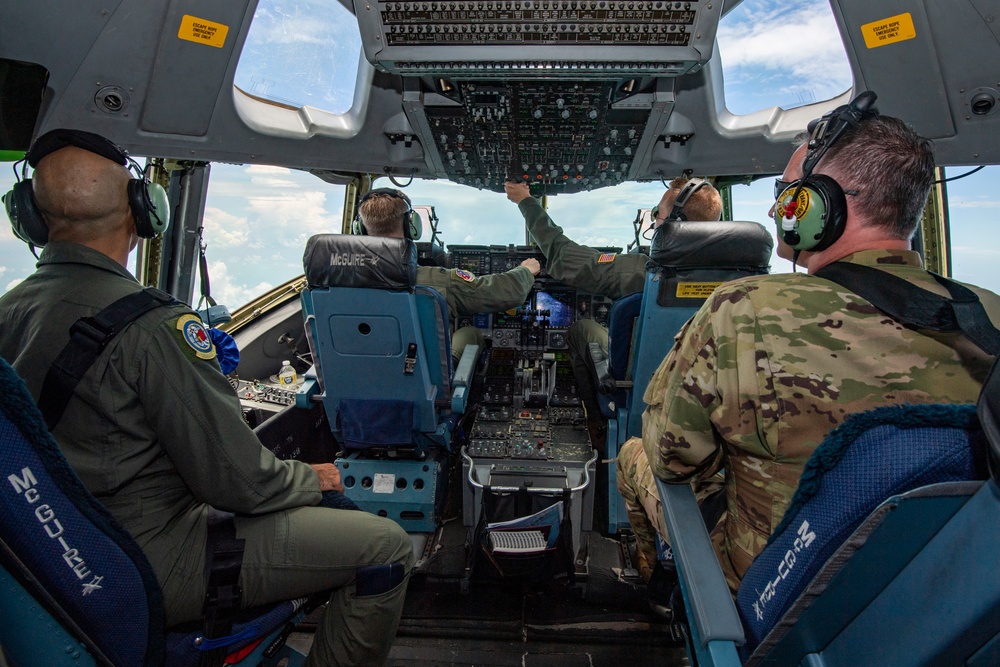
<point>763,371</point>
<point>467,294</point>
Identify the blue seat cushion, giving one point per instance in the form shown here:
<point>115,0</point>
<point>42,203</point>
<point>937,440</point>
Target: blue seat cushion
<point>870,457</point>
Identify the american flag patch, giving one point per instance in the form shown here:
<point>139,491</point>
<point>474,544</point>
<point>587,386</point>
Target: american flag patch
<point>606,257</point>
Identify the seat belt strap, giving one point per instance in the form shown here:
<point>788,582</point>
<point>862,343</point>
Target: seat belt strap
<point>223,562</point>
<point>917,307</point>
<point>89,336</point>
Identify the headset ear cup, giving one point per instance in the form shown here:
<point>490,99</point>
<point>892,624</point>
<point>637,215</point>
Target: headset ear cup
<point>412,225</point>
<point>835,207</point>
<point>25,218</point>
<point>358,227</point>
<point>150,207</point>
<point>821,213</point>
<point>159,208</point>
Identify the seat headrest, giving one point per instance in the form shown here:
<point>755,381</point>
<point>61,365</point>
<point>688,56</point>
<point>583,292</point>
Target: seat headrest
<point>719,243</point>
<point>347,260</point>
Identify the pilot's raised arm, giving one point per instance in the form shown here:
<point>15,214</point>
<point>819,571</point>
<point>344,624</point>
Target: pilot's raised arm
<point>610,274</point>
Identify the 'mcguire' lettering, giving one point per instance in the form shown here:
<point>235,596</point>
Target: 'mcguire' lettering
<point>351,259</point>
<point>46,516</point>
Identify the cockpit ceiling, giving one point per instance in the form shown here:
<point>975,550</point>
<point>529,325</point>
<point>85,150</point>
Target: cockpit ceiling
<point>569,95</point>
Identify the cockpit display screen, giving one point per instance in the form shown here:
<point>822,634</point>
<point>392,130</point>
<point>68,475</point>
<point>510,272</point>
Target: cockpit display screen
<point>559,305</point>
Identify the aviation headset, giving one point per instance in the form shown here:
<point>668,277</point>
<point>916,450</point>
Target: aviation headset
<point>147,201</point>
<point>412,225</point>
<point>812,211</point>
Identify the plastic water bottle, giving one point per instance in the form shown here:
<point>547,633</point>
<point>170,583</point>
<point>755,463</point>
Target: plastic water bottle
<point>286,376</point>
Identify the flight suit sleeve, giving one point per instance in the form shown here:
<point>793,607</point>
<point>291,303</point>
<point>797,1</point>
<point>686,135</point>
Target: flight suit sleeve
<point>677,429</point>
<point>485,294</point>
<point>197,417</point>
<point>612,274</point>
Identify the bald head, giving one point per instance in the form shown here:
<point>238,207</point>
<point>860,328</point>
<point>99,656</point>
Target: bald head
<point>82,196</point>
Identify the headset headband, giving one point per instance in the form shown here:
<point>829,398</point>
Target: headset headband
<point>826,131</point>
<point>54,140</point>
<point>691,187</point>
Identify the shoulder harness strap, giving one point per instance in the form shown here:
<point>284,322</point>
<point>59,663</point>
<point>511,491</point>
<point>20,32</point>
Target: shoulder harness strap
<point>918,307</point>
<point>88,338</point>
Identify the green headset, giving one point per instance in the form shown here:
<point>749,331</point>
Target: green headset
<point>147,201</point>
<point>811,212</point>
<point>412,224</point>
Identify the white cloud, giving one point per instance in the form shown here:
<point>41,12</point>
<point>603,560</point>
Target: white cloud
<point>226,290</point>
<point>12,284</point>
<point>794,49</point>
<point>225,230</point>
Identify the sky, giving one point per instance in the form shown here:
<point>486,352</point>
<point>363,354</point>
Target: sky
<point>257,218</point>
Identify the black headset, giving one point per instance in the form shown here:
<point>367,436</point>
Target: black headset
<point>811,212</point>
<point>147,200</point>
<point>691,187</point>
<point>412,224</point>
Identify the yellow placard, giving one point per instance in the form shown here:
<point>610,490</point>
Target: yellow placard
<point>203,31</point>
<point>696,290</point>
<point>894,29</point>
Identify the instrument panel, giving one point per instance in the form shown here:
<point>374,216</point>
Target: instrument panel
<point>541,322</point>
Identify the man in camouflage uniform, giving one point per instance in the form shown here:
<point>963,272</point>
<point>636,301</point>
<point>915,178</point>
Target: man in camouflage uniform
<point>770,364</point>
<point>614,275</point>
<point>466,294</point>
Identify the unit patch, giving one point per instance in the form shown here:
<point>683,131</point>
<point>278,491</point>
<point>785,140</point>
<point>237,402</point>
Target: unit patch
<point>606,257</point>
<point>467,276</point>
<point>196,336</point>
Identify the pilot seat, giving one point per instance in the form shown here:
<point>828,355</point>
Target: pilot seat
<point>382,370</point>
<point>687,261</point>
<point>76,589</point>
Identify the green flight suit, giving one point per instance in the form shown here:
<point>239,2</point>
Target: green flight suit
<point>468,294</point>
<point>609,274</point>
<point>157,434</point>
<point>759,376</point>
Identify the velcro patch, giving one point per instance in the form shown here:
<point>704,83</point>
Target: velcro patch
<point>196,336</point>
<point>467,276</point>
<point>606,257</point>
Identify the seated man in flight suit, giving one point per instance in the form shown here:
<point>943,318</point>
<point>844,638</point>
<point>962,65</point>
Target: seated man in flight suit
<point>156,432</point>
<point>771,364</point>
<point>611,275</point>
<point>384,212</point>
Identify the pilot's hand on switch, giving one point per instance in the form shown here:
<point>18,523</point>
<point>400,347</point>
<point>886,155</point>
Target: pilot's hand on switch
<point>532,264</point>
<point>516,191</point>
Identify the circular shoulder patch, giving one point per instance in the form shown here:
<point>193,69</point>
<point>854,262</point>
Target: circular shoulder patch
<point>467,276</point>
<point>195,335</point>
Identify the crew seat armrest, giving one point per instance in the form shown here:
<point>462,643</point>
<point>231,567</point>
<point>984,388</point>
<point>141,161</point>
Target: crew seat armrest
<point>711,611</point>
<point>462,380</point>
<point>308,392</point>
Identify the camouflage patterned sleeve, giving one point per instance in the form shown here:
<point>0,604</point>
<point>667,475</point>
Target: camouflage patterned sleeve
<point>677,432</point>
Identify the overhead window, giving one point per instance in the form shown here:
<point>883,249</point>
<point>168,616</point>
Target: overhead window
<point>302,53</point>
<point>781,53</point>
